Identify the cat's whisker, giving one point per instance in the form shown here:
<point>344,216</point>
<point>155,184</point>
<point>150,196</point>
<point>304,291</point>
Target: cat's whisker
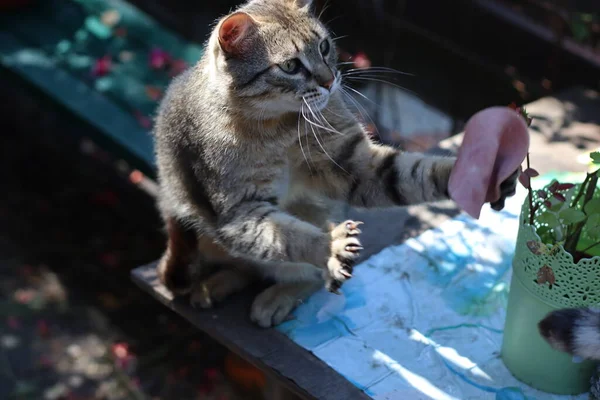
<point>365,116</point>
<point>371,79</point>
<point>315,123</point>
<point>361,95</point>
<point>378,69</point>
<point>325,7</point>
<point>362,111</point>
<point>307,140</point>
<point>344,63</point>
<point>317,138</point>
<point>320,117</point>
<point>339,37</point>
<point>300,138</point>
<point>331,20</point>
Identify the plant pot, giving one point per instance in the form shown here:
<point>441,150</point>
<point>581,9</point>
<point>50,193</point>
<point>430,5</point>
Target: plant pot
<point>525,353</point>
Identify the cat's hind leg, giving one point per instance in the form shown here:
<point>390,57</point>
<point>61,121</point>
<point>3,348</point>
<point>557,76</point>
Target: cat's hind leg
<point>174,266</point>
<point>217,287</point>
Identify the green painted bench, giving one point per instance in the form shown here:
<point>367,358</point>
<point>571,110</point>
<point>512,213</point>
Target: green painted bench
<point>104,61</point>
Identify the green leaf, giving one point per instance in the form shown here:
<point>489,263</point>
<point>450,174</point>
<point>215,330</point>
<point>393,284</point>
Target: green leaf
<point>556,206</point>
<point>593,225</point>
<point>549,219</point>
<point>97,28</point>
<point>544,233</point>
<point>595,156</point>
<point>571,216</point>
<point>592,207</point>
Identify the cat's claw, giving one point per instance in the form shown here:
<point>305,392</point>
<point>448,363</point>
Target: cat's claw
<point>345,250</point>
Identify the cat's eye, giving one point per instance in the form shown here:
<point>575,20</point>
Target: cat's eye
<point>291,66</point>
<point>324,47</point>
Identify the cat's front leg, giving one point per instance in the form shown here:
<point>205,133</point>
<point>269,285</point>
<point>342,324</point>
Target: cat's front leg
<point>274,305</point>
<point>381,176</point>
<point>263,232</point>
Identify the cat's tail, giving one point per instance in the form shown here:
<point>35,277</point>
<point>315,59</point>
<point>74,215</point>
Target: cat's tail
<point>573,330</point>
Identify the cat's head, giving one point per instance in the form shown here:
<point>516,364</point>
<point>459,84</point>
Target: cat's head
<point>278,57</point>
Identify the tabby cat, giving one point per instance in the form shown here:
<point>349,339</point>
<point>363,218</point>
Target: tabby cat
<point>253,144</point>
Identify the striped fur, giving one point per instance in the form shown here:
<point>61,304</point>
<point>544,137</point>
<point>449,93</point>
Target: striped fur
<point>574,330</point>
<point>251,157</point>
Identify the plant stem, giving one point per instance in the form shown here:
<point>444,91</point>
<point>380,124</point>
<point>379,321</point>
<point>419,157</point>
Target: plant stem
<point>530,196</point>
<point>571,242</point>
<point>581,189</point>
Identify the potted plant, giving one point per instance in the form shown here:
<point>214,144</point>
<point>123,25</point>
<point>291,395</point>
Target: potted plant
<point>556,265</point>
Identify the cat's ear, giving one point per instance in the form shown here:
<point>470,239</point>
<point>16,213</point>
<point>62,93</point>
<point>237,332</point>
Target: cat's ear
<point>235,32</point>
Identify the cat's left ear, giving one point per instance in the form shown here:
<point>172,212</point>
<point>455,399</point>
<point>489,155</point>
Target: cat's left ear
<point>236,32</point>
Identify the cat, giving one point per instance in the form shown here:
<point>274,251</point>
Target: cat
<point>254,144</point>
<point>573,330</point>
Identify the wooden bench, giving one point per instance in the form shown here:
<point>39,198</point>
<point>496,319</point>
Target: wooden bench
<point>54,47</point>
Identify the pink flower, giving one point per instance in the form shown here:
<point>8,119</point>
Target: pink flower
<point>120,350</point>
<point>102,66</point>
<point>124,359</point>
<point>24,296</point>
<point>361,60</point>
<point>158,58</point>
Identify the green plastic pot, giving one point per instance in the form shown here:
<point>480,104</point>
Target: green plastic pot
<point>524,352</point>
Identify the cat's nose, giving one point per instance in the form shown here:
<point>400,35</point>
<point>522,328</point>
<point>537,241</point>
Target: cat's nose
<point>328,84</point>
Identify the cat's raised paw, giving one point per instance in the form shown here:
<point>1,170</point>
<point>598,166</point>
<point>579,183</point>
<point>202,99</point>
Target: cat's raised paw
<point>508,188</point>
<point>345,250</point>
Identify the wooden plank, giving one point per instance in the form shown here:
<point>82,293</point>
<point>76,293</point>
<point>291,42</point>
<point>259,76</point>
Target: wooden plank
<point>268,349</point>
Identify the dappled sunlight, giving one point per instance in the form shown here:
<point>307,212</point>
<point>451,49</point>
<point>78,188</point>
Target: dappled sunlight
<point>28,58</point>
<point>452,356</point>
<point>416,381</point>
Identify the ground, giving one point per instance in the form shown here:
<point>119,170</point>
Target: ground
<point>72,325</point>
